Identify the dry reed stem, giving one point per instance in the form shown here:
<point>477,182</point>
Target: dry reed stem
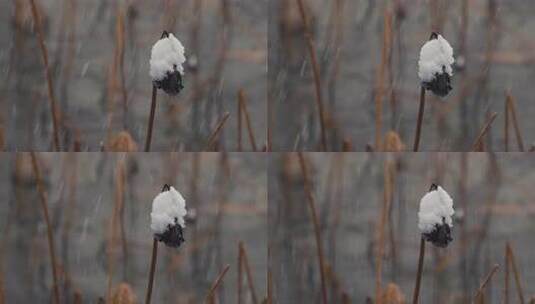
<point>243,102</point>
<point>316,71</point>
<point>152,270</point>
<point>477,144</point>
<point>315,221</point>
<point>416,293</point>
<point>210,296</point>
<point>48,74</point>
<point>239,121</point>
<point>379,87</point>
<point>420,120</point>
<point>512,108</point>
<point>245,261</point>
<point>512,260</point>
<point>506,282</point>
<point>44,206</point>
<point>506,125</point>
<point>387,196</point>
<point>213,137</point>
<point>151,118</point>
<point>479,293</point>
<point>240,280</point>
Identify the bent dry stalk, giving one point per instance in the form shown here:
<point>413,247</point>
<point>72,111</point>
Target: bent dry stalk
<point>416,293</point>
<point>151,118</point>
<point>152,269</point>
<point>420,120</point>
<point>44,205</point>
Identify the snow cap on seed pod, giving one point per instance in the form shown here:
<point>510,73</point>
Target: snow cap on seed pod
<point>167,217</point>
<point>166,60</point>
<point>435,216</point>
<point>435,65</point>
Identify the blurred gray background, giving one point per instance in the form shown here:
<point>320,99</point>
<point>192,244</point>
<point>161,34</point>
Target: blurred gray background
<point>225,44</point>
<point>226,193</point>
<point>493,45</point>
<point>494,203</point>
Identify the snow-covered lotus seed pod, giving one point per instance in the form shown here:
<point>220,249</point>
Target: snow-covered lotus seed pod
<point>166,60</point>
<point>435,65</point>
<point>435,216</point>
<point>167,217</point>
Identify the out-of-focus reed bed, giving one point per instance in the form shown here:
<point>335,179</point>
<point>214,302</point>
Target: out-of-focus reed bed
<point>76,228</point>
<point>76,74</point>
<point>343,228</point>
<point>344,73</point>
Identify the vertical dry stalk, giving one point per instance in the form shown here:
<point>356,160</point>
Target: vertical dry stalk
<point>506,126</point>
<point>316,71</point>
<point>152,270</point>
<point>115,219</point>
<point>210,296</point>
<point>48,74</point>
<point>151,118</point>
<point>479,293</point>
<point>379,86</point>
<point>315,221</point>
<point>515,272</point>
<point>477,144</point>
<point>240,280</point>
<point>243,103</point>
<point>239,121</point>
<point>506,283</point>
<point>420,120</point>
<point>245,261</point>
<point>387,196</point>
<point>44,206</point>
<point>120,205</point>
<point>416,293</point>
<point>512,108</point>
<point>119,60</point>
<point>213,137</point>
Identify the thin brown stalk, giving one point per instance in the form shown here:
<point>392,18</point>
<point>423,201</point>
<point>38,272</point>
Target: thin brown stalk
<point>479,293</point>
<point>484,130</point>
<point>420,120</point>
<point>245,261</point>
<point>379,86</point>
<point>387,194</point>
<point>213,137</point>
<point>151,118</point>
<point>152,270</point>
<point>512,108</point>
<point>48,74</point>
<point>240,272</point>
<point>416,293</point>
<point>239,121</point>
<point>44,206</point>
<point>506,126</point>
<point>506,283</point>
<point>315,221</point>
<point>243,102</point>
<point>316,71</point>
<point>217,282</point>
<point>512,260</point>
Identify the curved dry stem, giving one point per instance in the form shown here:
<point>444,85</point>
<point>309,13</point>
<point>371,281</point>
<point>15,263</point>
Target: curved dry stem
<point>151,118</point>
<point>152,270</point>
<point>420,120</point>
<point>416,293</point>
<point>43,199</point>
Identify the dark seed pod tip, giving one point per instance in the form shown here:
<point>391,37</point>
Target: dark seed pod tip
<point>172,237</point>
<point>434,35</point>
<point>165,34</point>
<point>433,187</point>
<point>166,187</point>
